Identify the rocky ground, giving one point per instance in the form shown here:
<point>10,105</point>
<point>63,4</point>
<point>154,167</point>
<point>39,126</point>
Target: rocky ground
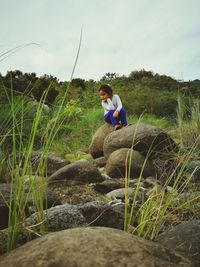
<point>89,193</point>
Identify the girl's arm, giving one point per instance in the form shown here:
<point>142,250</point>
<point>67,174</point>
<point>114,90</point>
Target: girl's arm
<point>119,103</point>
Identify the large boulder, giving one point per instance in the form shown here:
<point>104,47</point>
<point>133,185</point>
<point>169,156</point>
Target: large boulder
<point>184,238</point>
<point>121,160</point>
<point>92,246</point>
<point>97,213</point>
<point>82,170</point>
<point>140,137</point>
<point>96,146</point>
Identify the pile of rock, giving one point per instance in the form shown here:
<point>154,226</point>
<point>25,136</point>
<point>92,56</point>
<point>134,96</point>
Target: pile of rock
<point>130,152</point>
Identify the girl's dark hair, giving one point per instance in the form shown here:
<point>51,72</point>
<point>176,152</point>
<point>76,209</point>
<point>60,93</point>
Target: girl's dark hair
<point>106,88</point>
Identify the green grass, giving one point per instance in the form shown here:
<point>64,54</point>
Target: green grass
<point>79,131</point>
<point>19,160</point>
<point>162,207</point>
<point>188,123</point>
<point>163,123</point>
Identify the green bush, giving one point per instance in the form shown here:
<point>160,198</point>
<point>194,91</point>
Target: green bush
<point>142,99</point>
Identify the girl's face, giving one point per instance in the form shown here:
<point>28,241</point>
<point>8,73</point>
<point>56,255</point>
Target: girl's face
<point>104,95</point>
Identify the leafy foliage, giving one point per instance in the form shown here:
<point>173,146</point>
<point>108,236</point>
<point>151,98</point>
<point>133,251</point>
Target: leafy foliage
<point>77,82</point>
<point>31,85</point>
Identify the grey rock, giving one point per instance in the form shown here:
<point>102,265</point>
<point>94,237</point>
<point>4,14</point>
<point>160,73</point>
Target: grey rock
<point>141,137</point>
<point>152,186</point>
<point>49,199</point>
<point>121,192</point>
<point>118,164</point>
<point>59,218</point>
<point>96,146</point>
<point>101,162</point>
<point>151,181</point>
<point>21,238</point>
<point>92,246</point>
<point>82,170</point>
<point>193,171</point>
<point>5,195</point>
<point>53,162</point>
<point>108,185</point>
<point>154,190</point>
<point>99,213</point>
<point>66,216</point>
<point>170,189</point>
<point>184,238</point>
<point>193,197</point>
<point>105,176</point>
<point>4,174</point>
<point>112,184</point>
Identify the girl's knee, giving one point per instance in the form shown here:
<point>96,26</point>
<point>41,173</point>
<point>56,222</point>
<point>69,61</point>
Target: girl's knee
<point>111,111</point>
<point>123,111</point>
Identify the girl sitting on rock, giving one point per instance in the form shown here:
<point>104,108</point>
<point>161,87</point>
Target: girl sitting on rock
<point>114,113</point>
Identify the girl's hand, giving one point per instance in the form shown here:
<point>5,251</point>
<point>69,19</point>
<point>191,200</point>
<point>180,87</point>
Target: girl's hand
<point>116,114</point>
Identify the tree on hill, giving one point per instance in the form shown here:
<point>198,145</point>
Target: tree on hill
<point>139,74</point>
<point>78,82</point>
<point>109,76</point>
<point>30,84</point>
<point>46,82</point>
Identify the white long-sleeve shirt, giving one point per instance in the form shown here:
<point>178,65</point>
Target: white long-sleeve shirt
<point>114,103</point>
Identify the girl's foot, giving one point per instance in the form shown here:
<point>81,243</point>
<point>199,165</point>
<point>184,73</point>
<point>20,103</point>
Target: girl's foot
<point>117,127</point>
<point>125,125</point>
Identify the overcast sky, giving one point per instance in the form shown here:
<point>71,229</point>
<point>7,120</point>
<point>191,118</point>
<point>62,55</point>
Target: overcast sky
<point>118,36</point>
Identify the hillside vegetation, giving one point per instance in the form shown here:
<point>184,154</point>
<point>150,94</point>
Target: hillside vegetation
<point>142,92</point>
